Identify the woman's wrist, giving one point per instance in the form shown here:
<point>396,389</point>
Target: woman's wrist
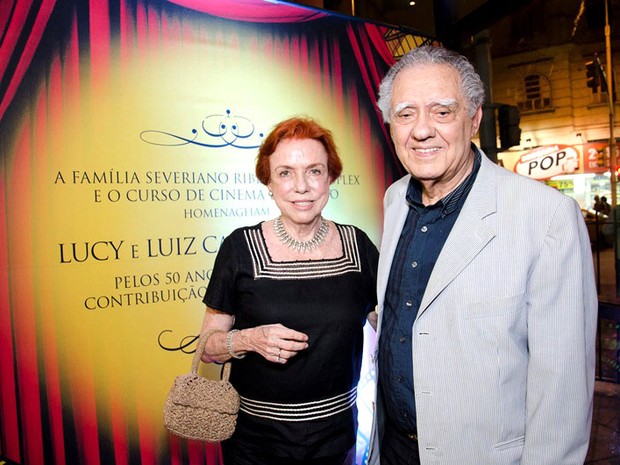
<point>230,346</point>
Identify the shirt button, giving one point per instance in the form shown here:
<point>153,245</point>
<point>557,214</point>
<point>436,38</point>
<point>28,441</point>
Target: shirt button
<point>423,229</point>
<point>414,264</point>
<point>409,303</point>
<point>399,379</point>
<point>405,415</point>
<point>402,339</point>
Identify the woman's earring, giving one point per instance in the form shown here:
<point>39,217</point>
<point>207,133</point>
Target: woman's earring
<point>271,194</point>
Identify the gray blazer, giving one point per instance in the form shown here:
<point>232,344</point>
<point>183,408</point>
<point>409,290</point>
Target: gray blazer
<point>504,340</point>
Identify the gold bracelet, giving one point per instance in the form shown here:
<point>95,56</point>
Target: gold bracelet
<point>229,344</point>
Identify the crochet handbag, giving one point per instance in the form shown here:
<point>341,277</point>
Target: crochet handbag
<point>199,408</point>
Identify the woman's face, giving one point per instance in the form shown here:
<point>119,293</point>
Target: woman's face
<point>299,179</point>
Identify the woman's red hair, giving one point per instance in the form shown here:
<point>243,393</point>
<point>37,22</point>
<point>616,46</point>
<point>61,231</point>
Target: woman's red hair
<point>297,128</point>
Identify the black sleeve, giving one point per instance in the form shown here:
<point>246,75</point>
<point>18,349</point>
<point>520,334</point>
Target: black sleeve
<point>371,264</point>
<point>221,288</point>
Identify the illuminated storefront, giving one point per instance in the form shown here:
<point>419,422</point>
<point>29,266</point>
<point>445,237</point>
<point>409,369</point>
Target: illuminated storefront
<point>579,171</point>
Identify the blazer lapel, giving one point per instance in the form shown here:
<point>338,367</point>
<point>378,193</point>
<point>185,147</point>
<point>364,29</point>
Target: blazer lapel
<point>395,217</point>
<point>469,235</point>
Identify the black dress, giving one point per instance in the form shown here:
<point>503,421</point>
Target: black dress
<point>305,408</point>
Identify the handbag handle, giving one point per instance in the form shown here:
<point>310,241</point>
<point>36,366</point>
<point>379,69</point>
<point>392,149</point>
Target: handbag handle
<point>202,342</point>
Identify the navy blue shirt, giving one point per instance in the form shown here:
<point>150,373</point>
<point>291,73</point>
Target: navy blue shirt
<point>422,238</point>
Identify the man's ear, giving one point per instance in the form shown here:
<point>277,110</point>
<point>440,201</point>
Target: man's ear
<point>475,121</point>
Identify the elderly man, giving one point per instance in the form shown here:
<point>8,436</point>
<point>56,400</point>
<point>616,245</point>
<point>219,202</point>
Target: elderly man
<point>487,301</point>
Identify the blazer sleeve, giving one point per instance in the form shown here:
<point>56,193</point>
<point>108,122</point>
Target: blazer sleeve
<point>562,311</point>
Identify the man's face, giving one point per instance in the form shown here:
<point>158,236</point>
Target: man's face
<point>431,127</point>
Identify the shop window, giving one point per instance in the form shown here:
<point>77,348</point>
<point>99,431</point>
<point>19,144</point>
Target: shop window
<point>601,95</point>
<point>534,94</point>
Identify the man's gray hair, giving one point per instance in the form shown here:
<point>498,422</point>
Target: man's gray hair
<point>425,55</point>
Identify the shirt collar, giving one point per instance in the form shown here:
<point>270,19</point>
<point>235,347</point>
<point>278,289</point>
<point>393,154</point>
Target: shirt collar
<point>451,201</point>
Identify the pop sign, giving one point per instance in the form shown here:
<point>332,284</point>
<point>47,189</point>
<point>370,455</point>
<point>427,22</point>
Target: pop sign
<point>546,162</point>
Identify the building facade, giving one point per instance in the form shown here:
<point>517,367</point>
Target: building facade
<point>539,64</point>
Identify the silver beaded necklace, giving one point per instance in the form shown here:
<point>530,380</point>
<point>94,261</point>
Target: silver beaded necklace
<point>301,246</point>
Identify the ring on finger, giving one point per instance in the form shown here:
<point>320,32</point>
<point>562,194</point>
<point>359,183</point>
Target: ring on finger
<point>278,359</point>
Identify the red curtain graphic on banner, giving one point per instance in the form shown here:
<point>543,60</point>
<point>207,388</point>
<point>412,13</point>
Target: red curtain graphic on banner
<point>128,132</point>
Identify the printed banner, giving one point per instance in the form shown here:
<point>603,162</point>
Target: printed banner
<point>129,133</point>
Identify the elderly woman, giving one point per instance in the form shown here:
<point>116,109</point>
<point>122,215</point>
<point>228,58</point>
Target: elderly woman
<point>291,296</point>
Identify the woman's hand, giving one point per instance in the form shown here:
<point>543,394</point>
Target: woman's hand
<point>373,318</point>
<point>275,342</point>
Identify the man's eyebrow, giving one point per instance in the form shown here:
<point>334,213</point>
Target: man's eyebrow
<point>401,106</point>
<point>445,102</point>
